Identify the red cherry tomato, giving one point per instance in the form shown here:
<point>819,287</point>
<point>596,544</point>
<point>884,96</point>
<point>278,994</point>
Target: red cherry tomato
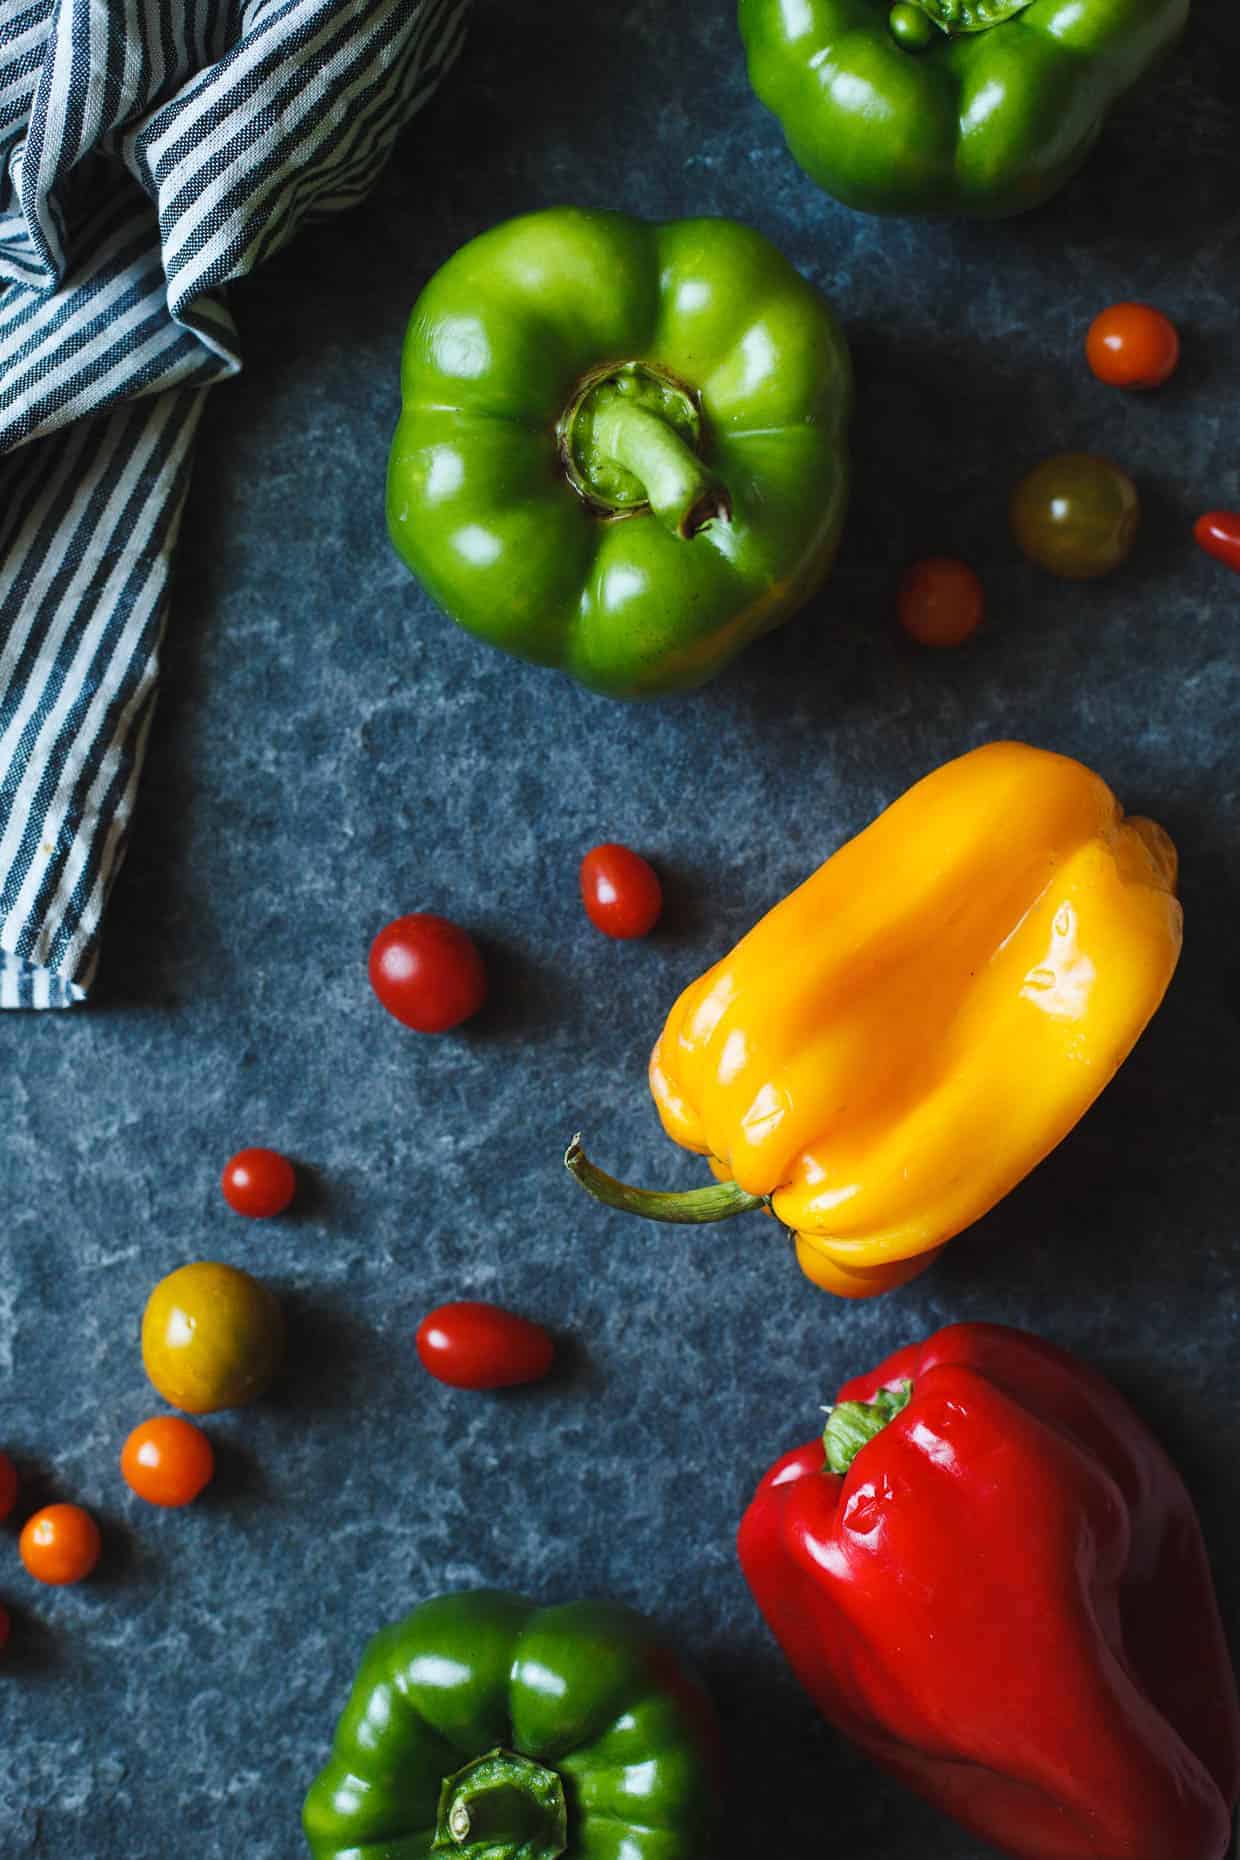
<point>8,1485</point>
<point>621,892</point>
<point>1218,532</point>
<point>473,1345</point>
<point>258,1183</point>
<point>940,601</point>
<point>5,1625</point>
<point>427,972</point>
<point>1132,346</point>
<point>167,1461</point>
<point>60,1544</point>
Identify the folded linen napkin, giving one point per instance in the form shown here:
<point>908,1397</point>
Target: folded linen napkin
<point>150,152</point>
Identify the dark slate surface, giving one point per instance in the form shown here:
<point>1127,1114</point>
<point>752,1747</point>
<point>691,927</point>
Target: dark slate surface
<point>330,752</point>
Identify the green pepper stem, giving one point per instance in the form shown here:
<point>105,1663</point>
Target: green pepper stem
<point>911,28</point>
<point>850,1424</point>
<point>502,1807</point>
<point>683,494</point>
<point>686,1208</point>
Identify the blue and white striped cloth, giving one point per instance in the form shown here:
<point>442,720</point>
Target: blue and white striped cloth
<point>150,151</point>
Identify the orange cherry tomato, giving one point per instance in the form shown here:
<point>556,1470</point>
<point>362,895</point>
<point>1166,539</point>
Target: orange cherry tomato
<point>167,1461</point>
<point>60,1544</point>
<point>620,891</point>
<point>1132,346</point>
<point>258,1183</point>
<point>8,1485</point>
<point>940,601</point>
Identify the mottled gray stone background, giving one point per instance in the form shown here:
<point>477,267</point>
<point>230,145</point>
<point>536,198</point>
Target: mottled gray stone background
<point>330,752</point>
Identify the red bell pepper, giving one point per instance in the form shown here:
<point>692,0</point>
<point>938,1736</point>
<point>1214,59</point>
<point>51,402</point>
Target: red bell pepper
<point>996,1585</point>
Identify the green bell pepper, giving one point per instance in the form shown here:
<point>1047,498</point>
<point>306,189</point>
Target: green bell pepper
<point>980,107</point>
<point>622,447</point>
<point>486,1728</point>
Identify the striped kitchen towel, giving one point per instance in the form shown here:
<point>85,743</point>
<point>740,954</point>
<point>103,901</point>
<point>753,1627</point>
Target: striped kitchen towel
<point>150,152</point>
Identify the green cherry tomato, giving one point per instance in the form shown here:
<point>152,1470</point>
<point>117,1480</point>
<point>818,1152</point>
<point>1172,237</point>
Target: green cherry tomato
<point>910,27</point>
<point>1076,515</point>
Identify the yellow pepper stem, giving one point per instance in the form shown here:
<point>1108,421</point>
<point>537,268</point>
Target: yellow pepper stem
<point>687,1208</point>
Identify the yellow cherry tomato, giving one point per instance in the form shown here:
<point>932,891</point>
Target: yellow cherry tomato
<point>212,1337</point>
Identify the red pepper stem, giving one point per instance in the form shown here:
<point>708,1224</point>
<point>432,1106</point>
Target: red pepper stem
<point>850,1424</point>
<point>687,1208</point>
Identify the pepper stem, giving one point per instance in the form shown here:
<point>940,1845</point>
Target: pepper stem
<point>502,1807</point>
<point>686,1208</point>
<point>850,1424</point>
<point>630,440</point>
<point>950,16</point>
<point>683,494</point>
<point>910,27</point>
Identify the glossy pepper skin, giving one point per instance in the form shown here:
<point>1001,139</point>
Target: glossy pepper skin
<point>622,445</point>
<point>986,111</point>
<point>895,1045</point>
<point>1006,1602</point>
<point>487,1728</point>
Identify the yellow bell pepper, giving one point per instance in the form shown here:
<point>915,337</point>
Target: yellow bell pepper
<point>900,1041</point>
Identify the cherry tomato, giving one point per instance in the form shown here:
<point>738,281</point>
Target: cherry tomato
<point>473,1345</point>
<point>427,972</point>
<point>5,1627</point>
<point>1132,346</point>
<point>1076,515</point>
<point>940,601</point>
<point>167,1461</point>
<point>621,892</point>
<point>258,1183</point>
<point>212,1337</point>
<point>8,1485</point>
<point>1218,532</point>
<point>60,1544</point>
